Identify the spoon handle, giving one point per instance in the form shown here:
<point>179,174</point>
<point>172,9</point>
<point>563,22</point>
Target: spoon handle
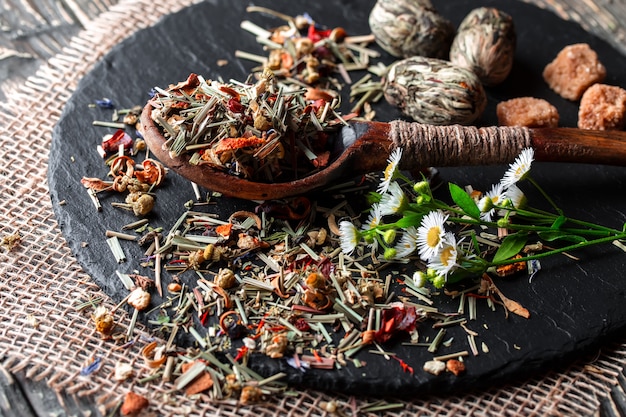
<point>426,145</point>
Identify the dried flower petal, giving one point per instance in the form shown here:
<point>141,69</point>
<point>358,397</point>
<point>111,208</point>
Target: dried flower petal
<point>397,319</point>
<point>434,367</point>
<point>123,371</point>
<point>119,138</point>
<point>455,366</point>
<point>133,404</point>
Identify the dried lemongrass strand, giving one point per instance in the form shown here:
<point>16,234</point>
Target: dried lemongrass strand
<point>406,28</point>
<point>485,43</point>
<point>434,91</point>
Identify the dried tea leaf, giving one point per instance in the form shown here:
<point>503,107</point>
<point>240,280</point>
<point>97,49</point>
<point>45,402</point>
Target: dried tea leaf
<point>511,305</point>
<point>514,307</point>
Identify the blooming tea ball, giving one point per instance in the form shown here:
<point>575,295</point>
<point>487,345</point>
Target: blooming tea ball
<point>485,43</point>
<point>434,91</point>
<point>405,28</point>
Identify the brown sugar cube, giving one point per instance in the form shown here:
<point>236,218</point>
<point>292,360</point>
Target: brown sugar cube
<point>602,107</point>
<point>527,111</point>
<point>574,70</point>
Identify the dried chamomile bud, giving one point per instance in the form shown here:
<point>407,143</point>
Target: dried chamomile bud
<point>225,278</point>
<point>485,43</point>
<point>407,28</point>
<point>140,203</point>
<point>434,91</point>
<point>139,298</point>
<point>250,394</point>
<point>104,320</point>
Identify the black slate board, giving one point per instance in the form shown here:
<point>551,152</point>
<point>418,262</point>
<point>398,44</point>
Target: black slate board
<point>573,304</point>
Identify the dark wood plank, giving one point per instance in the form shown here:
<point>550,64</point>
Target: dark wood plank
<point>32,31</point>
<point>13,401</point>
<point>23,397</point>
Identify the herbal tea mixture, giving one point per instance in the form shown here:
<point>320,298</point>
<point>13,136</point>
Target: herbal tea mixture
<point>319,284</point>
<point>274,129</point>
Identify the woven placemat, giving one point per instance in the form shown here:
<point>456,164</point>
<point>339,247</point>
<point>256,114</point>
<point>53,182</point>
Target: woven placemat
<point>45,337</point>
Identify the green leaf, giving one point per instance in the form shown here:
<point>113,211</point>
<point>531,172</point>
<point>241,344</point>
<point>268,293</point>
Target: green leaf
<point>558,222</point>
<point>551,236</point>
<point>410,219</point>
<point>459,275</point>
<point>511,246</point>
<point>373,197</point>
<point>464,201</point>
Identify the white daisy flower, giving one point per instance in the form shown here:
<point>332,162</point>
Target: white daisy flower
<point>430,234</point>
<point>517,197</point>
<point>349,238</point>
<point>518,169</point>
<point>390,172</point>
<point>407,244</point>
<point>445,259</point>
<point>373,220</point>
<point>494,197</point>
<point>394,200</point>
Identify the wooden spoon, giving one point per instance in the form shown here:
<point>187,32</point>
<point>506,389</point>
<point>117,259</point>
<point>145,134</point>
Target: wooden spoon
<point>364,147</point>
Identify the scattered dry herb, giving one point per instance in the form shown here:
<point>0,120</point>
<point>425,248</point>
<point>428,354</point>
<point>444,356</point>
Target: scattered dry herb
<point>10,242</point>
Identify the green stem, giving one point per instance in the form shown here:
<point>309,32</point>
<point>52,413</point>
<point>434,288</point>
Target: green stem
<point>559,250</point>
<point>403,177</point>
<point>532,228</point>
<point>545,195</point>
<point>443,206</point>
<point>536,213</point>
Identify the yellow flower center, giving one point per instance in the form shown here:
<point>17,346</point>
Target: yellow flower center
<point>388,173</point>
<point>432,237</point>
<point>447,255</point>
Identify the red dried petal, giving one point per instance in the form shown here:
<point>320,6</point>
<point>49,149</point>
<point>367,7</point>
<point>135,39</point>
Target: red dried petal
<point>317,35</point>
<point>188,86</point>
<point>302,325</point>
<point>230,91</point>
<point>153,172</point>
<point>235,105</point>
<point>397,319</point>
<point>120,137</point>
<point>180,105</point>
<point>224,229</point>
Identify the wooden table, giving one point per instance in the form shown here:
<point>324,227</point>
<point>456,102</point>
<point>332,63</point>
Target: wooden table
<point>32,31</point>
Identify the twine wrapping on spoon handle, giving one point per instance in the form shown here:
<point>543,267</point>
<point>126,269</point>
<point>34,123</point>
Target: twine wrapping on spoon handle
<point>456,145</point>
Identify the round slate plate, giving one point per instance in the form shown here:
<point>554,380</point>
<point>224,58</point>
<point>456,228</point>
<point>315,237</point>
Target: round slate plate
<point>573,305</point>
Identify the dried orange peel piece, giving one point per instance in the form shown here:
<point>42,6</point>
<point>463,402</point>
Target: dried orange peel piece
<point>231,144</point>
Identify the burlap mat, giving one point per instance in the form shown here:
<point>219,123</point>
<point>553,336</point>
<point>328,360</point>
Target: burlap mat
<point>44,336</point>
